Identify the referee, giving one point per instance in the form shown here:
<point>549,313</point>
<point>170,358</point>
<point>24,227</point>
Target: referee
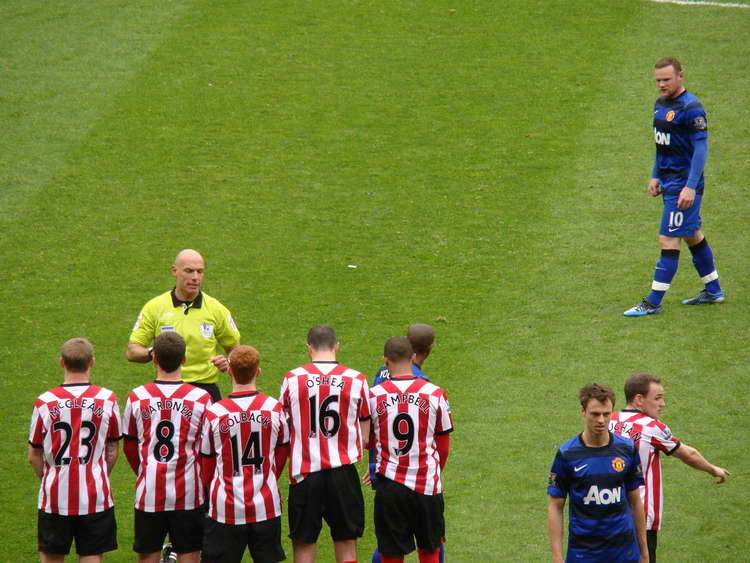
<point>203,322</point>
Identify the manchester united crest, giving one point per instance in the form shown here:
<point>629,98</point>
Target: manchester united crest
<point>618,464</point>
<point>670,115</point>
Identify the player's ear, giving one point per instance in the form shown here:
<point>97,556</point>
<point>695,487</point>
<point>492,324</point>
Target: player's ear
<point>336,348</point>
<point>258,372</point>
<point>92,362</point>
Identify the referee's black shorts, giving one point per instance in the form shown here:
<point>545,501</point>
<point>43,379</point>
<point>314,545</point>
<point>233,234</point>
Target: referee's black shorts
<point>401,515</point>
<point>333,495</point>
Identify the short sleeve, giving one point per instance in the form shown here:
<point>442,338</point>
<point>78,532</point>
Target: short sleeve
<point>444,421</point>
<point>129,425</point>
<point>284,393</point>
<point>114,431</point>
<point>557,483</point>
<point>661,439</point>
<point>227,333</point>
<point>364,399</point>
<point>283,437</point>
<point>634,478</point>
<point>207,446</point>
<point>37,430</point>
<point>143,329</point>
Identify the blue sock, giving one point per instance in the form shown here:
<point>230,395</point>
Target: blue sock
<point>703,260</point>
<point>665,270</point>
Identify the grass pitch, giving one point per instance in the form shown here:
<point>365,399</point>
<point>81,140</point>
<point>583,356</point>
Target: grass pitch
<point>482,164</point>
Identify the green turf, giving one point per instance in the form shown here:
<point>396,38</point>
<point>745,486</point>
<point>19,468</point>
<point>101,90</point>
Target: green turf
<point>483,164</point>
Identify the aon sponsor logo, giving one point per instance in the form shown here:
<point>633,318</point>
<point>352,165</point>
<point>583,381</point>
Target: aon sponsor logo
<point>602,496</point>
<point>661,138</point>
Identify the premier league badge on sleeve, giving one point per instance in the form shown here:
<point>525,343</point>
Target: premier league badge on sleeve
<point>207,330</point>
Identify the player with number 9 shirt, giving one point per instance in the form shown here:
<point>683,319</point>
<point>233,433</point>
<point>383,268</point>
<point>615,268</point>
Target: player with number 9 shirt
<point>411,422</point>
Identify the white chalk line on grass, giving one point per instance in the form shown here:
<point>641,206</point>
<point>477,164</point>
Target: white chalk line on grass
<point>702,3</point>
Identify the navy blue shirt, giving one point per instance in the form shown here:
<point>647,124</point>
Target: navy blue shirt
<point>681,137</point>
<point>597,480</point>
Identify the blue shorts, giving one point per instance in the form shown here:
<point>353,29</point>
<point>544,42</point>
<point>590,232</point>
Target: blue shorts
<point>680,222</point>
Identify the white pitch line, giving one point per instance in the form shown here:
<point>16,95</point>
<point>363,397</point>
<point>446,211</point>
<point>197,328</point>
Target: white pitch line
<point>702,3</point>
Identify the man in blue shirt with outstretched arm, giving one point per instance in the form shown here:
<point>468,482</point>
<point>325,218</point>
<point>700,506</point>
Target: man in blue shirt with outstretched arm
<point>681,137</point>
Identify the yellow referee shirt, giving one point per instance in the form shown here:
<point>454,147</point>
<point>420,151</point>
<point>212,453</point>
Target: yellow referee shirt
<point>205,324</point>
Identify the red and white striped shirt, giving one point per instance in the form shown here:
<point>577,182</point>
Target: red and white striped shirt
<point>167,419</point>
<point>324,402</point>
<point>243,431</point>
<point>407,413</point>
<point>650,437</point>
<point>72,424</point>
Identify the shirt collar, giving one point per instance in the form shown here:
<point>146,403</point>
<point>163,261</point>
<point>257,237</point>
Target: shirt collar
<point>195,304</point>
<point>239,394</point>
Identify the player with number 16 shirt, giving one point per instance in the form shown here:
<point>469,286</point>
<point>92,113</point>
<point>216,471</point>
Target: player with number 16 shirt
<point>329,418</point>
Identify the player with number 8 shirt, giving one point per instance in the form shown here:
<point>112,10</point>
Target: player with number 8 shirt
<point>411,422</point>
<point>164,423</point>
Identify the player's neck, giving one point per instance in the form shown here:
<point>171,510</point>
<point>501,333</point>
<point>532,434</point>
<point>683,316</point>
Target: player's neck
<point>73,377</point>
<point>323,356</point>
<point>168,375</point>
<point>592,440</point>
<point>678,94</point>
<point>244,387</point>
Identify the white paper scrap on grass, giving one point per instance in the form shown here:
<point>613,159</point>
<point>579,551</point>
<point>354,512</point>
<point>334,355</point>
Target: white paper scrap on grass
<point>702,3</point>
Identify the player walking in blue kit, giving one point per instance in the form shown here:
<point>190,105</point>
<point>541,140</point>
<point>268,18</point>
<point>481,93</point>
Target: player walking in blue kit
<point>601,473</point>
<point>421,336</point>
<point>681,137</point>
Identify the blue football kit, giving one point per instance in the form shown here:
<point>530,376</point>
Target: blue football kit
<point>597,482</point>
<point>680,134</point>
<point>681,138</point>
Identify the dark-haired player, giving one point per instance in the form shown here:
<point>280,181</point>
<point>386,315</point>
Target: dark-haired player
<point>601,473</point>
<point>411,422</point>
<point>244,450</point>
<point>640,421</point>
<point>681,137</point>
<point>421,337</point>
<point>163,427</point>
<point>329,419</point>
<point>73,448</point>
